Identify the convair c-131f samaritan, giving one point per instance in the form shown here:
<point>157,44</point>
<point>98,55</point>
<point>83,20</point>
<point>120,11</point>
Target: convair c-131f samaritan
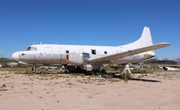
<point>91,57</point>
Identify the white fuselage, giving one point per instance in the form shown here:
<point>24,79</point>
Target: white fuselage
<point>57,54</point>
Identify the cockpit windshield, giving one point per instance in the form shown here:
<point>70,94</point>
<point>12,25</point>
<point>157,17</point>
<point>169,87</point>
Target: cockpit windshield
<point>31,49</point>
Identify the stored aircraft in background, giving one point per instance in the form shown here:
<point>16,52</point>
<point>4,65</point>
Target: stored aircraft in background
<point>168,68</point>
<point>91,57</point>
<point>12,64</point>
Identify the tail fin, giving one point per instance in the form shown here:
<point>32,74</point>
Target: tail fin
<point>144,40</point>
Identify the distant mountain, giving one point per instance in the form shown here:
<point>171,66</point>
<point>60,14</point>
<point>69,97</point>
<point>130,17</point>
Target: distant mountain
<point>177,60</point>
<point>165,59</point>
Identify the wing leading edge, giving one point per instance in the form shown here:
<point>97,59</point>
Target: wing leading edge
<point>128,53</point>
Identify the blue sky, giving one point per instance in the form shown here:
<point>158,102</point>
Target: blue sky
<point>91,22</point>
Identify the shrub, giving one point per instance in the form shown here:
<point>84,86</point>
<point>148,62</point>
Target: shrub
<point>4,85</point>
<point>125,76</point>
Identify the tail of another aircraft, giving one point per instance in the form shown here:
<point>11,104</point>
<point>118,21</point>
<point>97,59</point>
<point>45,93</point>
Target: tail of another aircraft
<point>144,40</point>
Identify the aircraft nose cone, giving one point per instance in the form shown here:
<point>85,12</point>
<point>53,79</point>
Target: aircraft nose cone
<point>15,56</point>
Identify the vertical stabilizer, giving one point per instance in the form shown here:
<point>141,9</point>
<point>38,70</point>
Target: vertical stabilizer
<point>144,40</point>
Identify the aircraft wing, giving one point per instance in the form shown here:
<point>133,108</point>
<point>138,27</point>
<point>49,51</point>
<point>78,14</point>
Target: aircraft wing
<point>128,53</point>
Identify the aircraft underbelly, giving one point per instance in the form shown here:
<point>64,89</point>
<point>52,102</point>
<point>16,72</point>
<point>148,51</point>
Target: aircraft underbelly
<point>130,59</point>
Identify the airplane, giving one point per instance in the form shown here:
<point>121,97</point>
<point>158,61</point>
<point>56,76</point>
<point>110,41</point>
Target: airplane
<point>90,57</point>
<point>166,68</point>
<point>12,64</point>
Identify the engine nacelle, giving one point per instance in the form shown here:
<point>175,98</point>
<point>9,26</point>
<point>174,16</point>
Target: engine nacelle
<point>74,59</point>
<point>90,67</point>
<point>87,67</point>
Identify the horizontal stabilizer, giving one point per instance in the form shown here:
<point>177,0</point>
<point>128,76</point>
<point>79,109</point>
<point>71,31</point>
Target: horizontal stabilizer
<point>128,53</point>
<point>22,62</point>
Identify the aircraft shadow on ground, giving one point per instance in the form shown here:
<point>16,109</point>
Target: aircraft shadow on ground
<point>144,80</point>
<point>135,79</point>
<point>104,75</point>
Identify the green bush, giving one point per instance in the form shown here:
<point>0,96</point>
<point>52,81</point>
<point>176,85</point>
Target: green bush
<point>107,68</point>
<point>125,76</point>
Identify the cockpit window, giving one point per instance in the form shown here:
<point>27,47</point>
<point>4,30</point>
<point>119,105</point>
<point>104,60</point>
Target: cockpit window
<point>31,49</point>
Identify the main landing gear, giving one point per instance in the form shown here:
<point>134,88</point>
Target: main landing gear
<point>34,68</point>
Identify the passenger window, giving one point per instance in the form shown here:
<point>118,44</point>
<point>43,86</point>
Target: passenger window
<point>67,51</point>
<point>105,52</point>
<point>93,51</point>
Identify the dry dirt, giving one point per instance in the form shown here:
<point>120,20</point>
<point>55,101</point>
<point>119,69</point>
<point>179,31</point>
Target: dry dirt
<point>157,91</point>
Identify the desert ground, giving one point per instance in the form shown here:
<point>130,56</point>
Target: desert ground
<point>157,91</point>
